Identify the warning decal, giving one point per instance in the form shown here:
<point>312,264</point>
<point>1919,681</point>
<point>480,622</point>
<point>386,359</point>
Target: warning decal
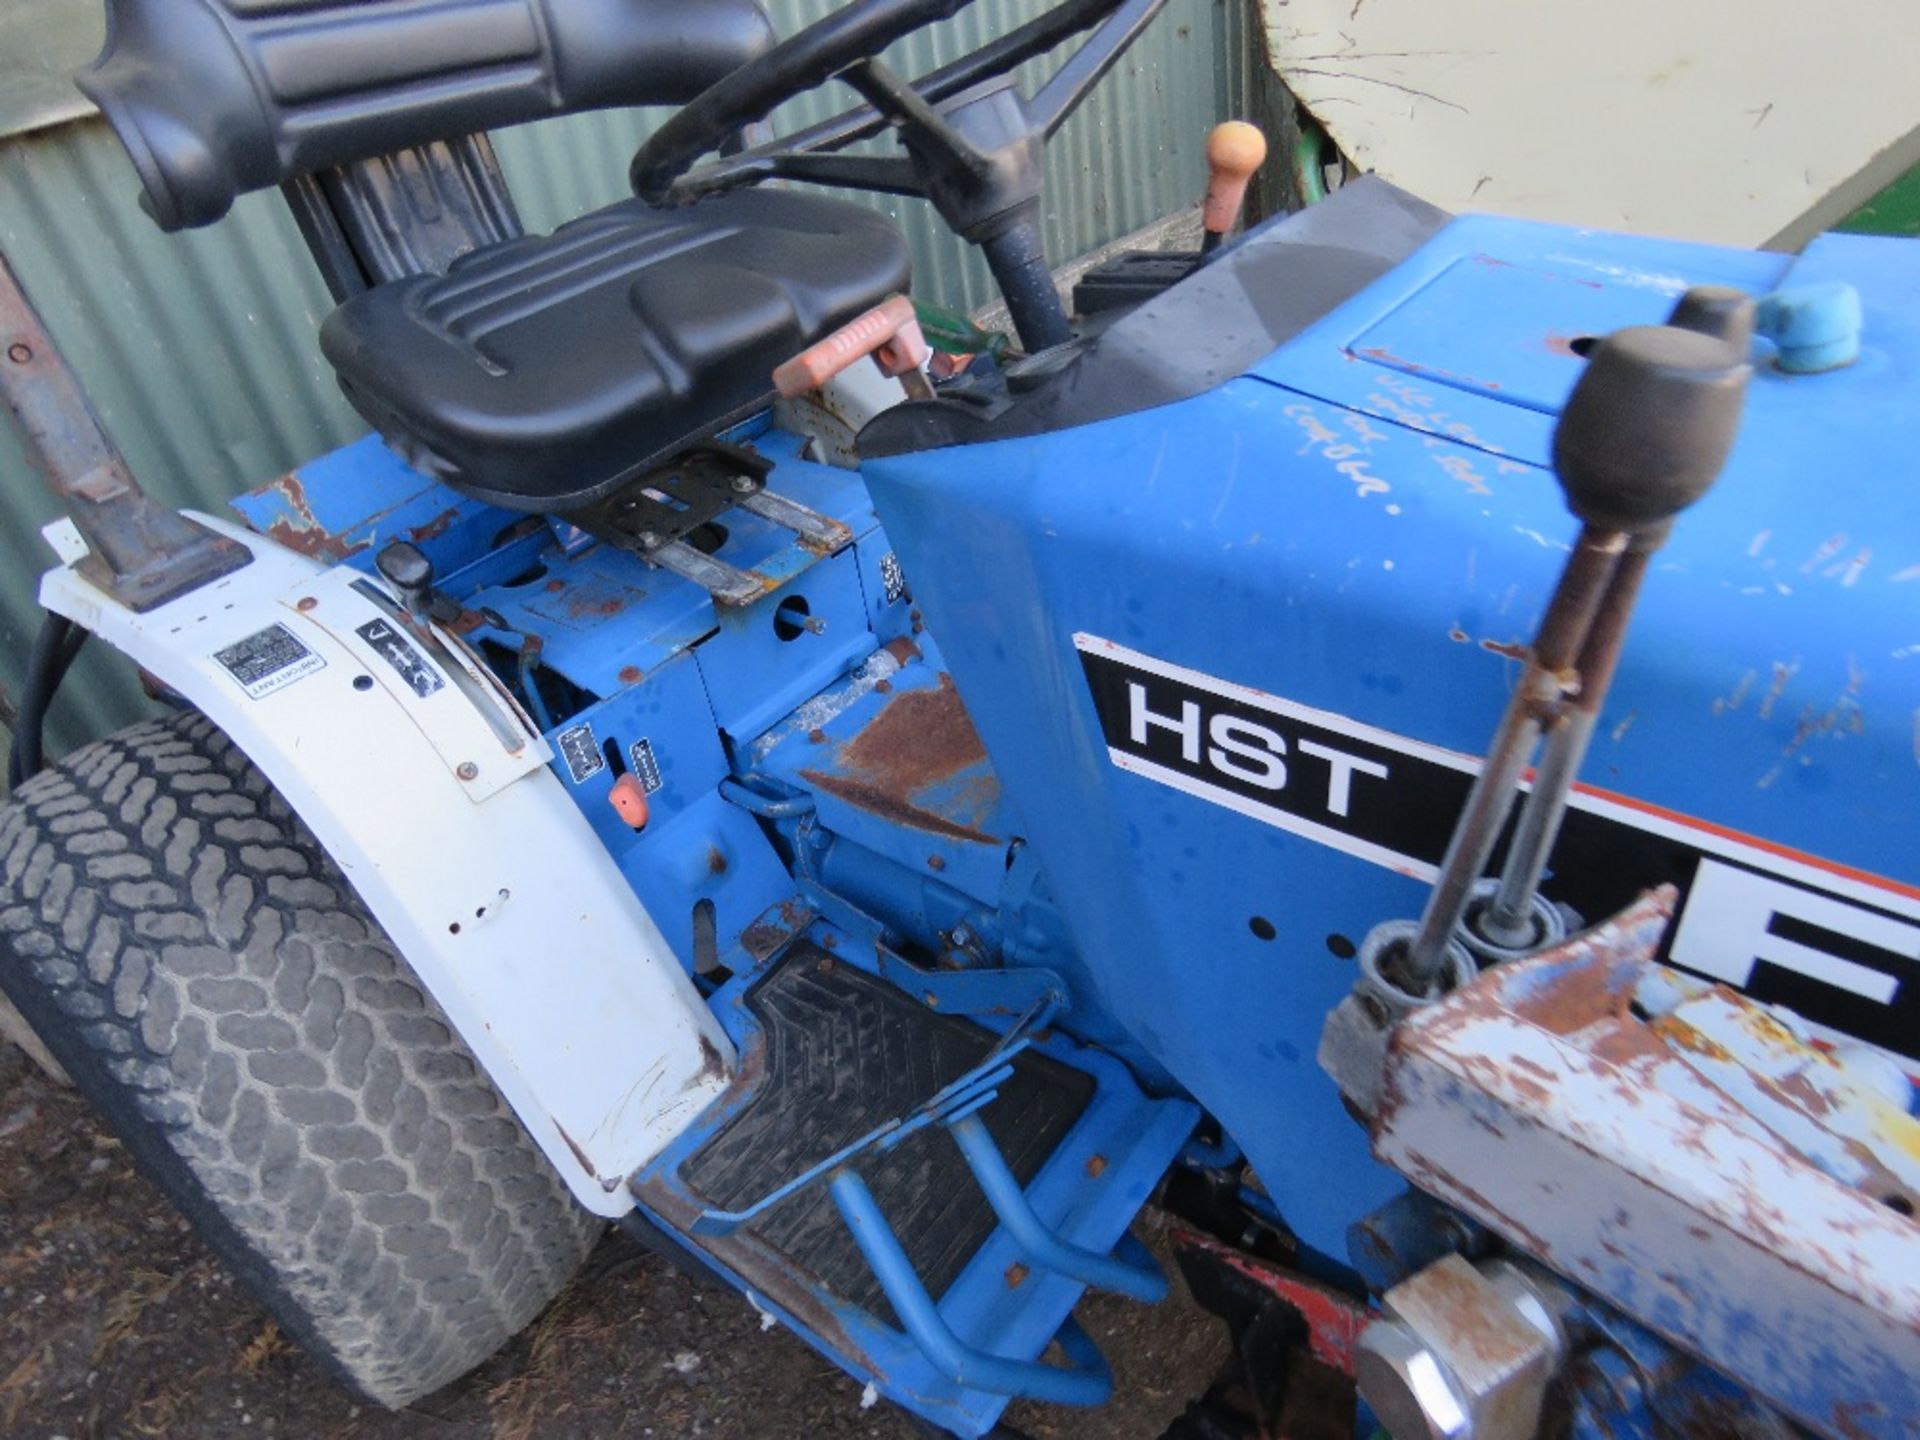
<point>268,660</point>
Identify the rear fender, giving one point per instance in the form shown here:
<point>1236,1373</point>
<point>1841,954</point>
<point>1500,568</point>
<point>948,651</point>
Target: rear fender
<point>432,793</point>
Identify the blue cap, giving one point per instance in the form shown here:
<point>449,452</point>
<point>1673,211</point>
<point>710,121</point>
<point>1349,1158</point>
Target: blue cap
<point>1816,327</point>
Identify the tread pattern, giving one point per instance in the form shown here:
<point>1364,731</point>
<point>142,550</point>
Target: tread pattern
<point>215,987</point>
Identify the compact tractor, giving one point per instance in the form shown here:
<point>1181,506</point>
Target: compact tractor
<point>871,822</point>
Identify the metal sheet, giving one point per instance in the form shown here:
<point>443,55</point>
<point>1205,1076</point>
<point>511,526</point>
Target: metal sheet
<point>199,349</point>
<point>1535,1101</point>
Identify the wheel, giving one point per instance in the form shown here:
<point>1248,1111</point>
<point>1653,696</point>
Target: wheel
<point>213,984</point>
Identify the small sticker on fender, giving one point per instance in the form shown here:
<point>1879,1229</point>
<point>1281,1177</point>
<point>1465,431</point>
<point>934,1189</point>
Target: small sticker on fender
<point>268,660</point>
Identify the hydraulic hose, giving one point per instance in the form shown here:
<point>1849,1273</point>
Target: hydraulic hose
<point>54,649</point>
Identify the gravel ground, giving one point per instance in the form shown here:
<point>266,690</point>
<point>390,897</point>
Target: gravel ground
<point>115,1321</point>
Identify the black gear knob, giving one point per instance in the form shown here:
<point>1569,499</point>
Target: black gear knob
<point>406,567</point>
<point>1649,426</point>
<point>1717,310</point>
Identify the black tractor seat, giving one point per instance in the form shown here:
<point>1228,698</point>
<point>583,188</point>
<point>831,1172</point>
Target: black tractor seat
<point>541,373</point>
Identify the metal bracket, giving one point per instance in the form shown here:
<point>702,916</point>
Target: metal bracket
<point>658,517</point>
<point>140,553</point>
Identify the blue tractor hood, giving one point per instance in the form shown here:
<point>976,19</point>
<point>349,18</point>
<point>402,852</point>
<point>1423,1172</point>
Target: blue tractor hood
<point>1234,596</point>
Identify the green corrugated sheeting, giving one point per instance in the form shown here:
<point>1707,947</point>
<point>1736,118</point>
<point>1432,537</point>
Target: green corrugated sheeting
<point>198,349</point>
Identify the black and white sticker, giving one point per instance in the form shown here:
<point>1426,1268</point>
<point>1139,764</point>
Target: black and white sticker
<point>893,579</point>
<point>386,641</point>
<point>1838,947</point>
<point>268,660</point>
<point>646,765</point>
<point>581,751</point>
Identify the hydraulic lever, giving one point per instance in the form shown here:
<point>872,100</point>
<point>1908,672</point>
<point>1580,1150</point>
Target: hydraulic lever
<point>1644,435</point>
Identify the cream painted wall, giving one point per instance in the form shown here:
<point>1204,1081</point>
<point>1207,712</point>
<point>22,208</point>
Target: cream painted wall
<point>1746,122</point>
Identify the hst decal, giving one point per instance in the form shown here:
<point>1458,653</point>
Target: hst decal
<point>1838,946</point>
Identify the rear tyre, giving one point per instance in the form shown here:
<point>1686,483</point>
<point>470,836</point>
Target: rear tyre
<point>213,984</point>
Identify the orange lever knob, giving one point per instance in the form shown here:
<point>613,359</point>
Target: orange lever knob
<point>890,332</point>
<point>1235,151</point>
<point>629,800</point>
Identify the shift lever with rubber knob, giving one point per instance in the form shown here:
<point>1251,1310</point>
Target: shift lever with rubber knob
<point>1644,435</point>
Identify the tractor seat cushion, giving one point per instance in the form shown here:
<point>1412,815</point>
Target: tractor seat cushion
<point>542,373</point>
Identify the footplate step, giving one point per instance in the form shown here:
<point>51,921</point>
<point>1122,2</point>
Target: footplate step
<point>922,1198</point>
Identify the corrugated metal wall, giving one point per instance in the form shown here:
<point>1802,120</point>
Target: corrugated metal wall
<point>199,351</point>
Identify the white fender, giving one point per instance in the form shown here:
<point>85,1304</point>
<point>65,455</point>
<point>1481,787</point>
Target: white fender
<point>440,808</point>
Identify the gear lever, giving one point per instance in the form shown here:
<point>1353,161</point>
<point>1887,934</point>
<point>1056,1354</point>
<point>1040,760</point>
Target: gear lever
<point>1235,150</point>
<point>1644,435</point>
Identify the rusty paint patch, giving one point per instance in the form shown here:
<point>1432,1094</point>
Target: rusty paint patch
<point>436,527</point>
<point>920,739</point>
<point>301,530</point>
<point>1512,649</point>
<point>775,928</point>
<point>889,806</point>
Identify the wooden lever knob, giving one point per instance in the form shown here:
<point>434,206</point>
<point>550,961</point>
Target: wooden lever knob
<point>1235,151</point>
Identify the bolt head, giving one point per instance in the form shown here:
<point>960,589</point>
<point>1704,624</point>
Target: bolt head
<point>1409,1389</point>
<point>467,770</point>
<point>744,485</point>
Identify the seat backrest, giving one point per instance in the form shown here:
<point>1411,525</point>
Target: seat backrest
<point>213,98</point>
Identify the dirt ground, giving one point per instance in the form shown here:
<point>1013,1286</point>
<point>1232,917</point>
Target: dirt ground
<point>115,1321</point>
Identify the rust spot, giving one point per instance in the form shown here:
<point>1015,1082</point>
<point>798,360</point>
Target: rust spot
<point>890,807</point>
<point>884,687</point>
<point>936,862</point>
<point>920,739</point>
<point>1512,649</point>
<point>437,526</point>
<point>712,1067</point>
<point>467,621</point>
<point>1096,1166</point>
<point>629,675</point>
<point>775,928</point>
<point>305,603</point>
<point>903,650</point>
<point>301,531</point>
<point>816,736</point>
<point>554,587</point>
<point>1016,1275</point>
<point>574,1145</point>
<point>716,861</point>
<point>830,941</point>
<point>1458,636</point>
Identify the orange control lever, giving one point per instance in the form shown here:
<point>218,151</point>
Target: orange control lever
<point>890,333</point>
<point>629,800</point>
<point>1235,151</point>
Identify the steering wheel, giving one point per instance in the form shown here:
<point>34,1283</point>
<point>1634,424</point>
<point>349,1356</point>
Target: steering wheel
<point>974,143</point>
